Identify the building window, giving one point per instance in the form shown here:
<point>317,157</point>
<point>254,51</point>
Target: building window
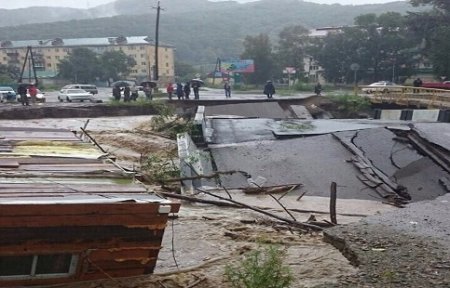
<point>42,266</point>
<point>56,50</point>
<point>144,63</point>
<point>57,57</point>
<point>142,47</point>
<point>49,65</point>
<point>142,55</point>
<point>49,57</point>
<point>167,64</point>
<point>144,71</point>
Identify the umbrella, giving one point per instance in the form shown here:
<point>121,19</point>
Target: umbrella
<point>198,81</point>
<point>152,84</point>
<point>122,83</point>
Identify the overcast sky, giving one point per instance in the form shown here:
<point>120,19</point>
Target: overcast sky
<point>11,4</point>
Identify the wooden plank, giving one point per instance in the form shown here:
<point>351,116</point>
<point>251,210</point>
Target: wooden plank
<point>64,210</point>
<point>7,163</point>
<point>71,188</point>
<point>53,160</point>
<point>115,274</point>
<point>123,254</point>
<point>150,220</point>
<point>70,168</point>
<point>112,265</point>
<point>39,248</point>
<point>60,235</point>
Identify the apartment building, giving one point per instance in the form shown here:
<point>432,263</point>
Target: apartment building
<point>48,54</point>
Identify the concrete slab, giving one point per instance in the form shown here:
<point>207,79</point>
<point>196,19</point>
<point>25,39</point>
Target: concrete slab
<point>437,133</point>
<point>385,153</point>
<point>294,127</point>
<point>425,115</point>
<point>301,112</point>
<point>243,130</point>
<point>399,161</point>
<point>237,131</point>
<point>257,110</point>
<point>390,115</point>
<point>314,161</point>
<point>422,179</point>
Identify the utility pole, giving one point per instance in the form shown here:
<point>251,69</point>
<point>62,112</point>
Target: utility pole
<point>158,12</point>
<point>29,57</point>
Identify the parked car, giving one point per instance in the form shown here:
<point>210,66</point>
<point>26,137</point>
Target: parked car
<point>40,96</point>
<point>70,95</point>
<point>7,94</point>
<point>87,87</point>
<point>383,87</point>
<point>437,85</point>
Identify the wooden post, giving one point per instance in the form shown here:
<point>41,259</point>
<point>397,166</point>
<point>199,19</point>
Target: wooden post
<point>333,196</point>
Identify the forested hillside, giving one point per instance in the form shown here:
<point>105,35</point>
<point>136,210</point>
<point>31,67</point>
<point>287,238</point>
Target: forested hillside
<point>201,30</point>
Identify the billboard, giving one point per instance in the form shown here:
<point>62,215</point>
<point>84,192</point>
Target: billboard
<point>238,66</point>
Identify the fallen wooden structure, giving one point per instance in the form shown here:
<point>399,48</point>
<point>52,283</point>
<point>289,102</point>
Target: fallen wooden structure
<point>68,214</point>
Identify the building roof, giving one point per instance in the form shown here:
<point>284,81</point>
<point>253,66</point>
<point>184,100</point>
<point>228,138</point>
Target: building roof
<point>75,42</point>
<point>52,166</point>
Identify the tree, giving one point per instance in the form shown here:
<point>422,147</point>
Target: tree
<point>433,27</point>
<point>184,72</point>
<point>443,5</point>
<point>115,65</point>
<point>259,49</point>
<point>291,47</point>
<point>380,45</point>
<point>81,66</point>
<point>8,73</point>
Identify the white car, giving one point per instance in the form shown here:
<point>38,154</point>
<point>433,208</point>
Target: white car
<point>70,95</point>
<point>383,87</point>
<point>7,94</point>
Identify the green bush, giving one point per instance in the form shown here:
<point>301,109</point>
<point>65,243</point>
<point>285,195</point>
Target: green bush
<point>260,269</point>
<point>350,104</point>
<point>304,87</point>
<point>160,168</point>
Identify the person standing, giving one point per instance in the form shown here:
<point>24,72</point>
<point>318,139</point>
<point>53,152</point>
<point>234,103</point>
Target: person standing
<point>417,83</point>
<point>22,91</point>
<point>196,88</point>
<point>126,94</point>
<point>269,89</point>
<point>180,92</point>
<point>148,91</point>
<point>116,93</point>
<point>33,92</point>
<point>134,92</point>
<point>227,88</point>
<point>318,89</point>
<point>187,90</point>
<point>169,90</point>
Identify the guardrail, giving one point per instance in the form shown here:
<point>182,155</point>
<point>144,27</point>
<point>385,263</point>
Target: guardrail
<point>408,96</point>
